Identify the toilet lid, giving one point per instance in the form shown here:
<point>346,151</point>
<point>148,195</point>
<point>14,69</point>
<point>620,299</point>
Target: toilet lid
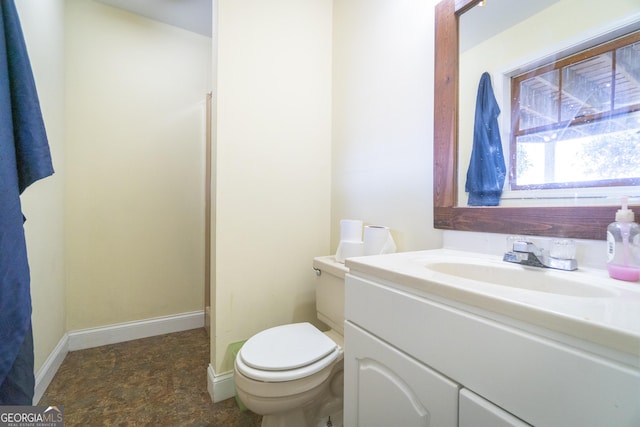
<point>286,347</point>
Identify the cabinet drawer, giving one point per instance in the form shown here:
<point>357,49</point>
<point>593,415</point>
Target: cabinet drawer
<point>478,412</point>
<point>544,382</point>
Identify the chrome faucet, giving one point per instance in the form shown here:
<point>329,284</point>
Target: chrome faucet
<point>526,253</point>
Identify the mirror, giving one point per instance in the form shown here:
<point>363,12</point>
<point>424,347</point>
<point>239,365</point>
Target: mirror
<point>557,164</point>
<point>586,222</point>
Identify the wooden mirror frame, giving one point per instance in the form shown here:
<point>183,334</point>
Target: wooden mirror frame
<point>579,222</point>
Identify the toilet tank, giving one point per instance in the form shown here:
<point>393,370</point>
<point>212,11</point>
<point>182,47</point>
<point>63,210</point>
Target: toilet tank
<point>330,291</point>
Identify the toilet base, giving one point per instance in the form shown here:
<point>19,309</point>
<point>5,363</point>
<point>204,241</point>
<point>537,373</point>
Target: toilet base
<point>309,409</point>
<point>334,420</point>
<point>327,414</point>
<point>292,418</point>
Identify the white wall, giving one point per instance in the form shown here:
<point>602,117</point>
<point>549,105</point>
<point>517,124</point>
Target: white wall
<point>272,165</point>
<point>135,93</point>
<point>383,118</point>
<point>42,203</point>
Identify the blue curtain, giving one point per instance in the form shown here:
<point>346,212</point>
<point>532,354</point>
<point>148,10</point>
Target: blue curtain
<point>24,159</point>
<point>487,170</point>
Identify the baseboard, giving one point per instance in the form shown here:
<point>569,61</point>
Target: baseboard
<point>95,337</point>
<point>220,387</point>
<point>49,368</point>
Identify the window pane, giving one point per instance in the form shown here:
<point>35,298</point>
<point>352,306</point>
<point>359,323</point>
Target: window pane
<point>586,87</point>
<point>612,151</point>
<point>601,150</point>
<point>539,100</point>
<point>627,76</point>
<point>530,162</point>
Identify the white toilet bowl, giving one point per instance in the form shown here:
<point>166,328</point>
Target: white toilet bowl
<point>291,375</point>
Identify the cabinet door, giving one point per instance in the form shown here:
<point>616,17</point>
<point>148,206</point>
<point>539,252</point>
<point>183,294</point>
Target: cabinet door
<point>478,412</point>
<point>385,387</point>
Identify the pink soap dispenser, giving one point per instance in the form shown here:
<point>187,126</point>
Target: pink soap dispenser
<point>623,245</point>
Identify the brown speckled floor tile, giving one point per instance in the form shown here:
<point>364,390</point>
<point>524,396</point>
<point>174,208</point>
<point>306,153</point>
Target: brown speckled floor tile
<point>158,381</point>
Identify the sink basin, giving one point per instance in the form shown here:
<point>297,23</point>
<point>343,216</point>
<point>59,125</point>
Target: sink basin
<point>585,303</point>
<point>519,277</point>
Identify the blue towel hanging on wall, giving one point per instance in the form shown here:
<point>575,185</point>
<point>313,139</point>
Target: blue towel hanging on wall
<point>24,159</point>
<point>487,170</point>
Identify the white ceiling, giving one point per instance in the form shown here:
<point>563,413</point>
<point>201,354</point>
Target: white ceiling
<point>480,23</point>
<point>196,15</point>
<point>191,15</point>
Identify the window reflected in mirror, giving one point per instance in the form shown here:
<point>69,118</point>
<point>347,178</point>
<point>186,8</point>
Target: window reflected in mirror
<point>576,122</point>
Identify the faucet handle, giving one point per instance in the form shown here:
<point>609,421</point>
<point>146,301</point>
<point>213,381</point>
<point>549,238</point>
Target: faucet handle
<point>511,239</point>
<point>524,246</point>
<point>563,249</point>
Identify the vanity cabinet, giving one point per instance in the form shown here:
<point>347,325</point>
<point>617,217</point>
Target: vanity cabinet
<point>412,359</point>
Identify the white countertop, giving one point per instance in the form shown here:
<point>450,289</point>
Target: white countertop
<point>608,314</point>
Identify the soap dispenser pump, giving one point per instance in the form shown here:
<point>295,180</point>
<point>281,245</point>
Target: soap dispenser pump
<point>623,245</point>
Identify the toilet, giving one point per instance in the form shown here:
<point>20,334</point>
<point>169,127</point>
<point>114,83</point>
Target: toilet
<point>292,374</point>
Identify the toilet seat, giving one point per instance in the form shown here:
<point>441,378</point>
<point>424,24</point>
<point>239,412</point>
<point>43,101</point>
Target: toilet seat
<point>286,353</point>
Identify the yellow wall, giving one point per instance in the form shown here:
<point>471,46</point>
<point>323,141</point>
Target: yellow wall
<point>133,190</point>
<point>272,165</point>
<point>135,94</point>
<point>133,197</point>
<point>42,203</point>
<point>383,118</point>
<point>282,68</point>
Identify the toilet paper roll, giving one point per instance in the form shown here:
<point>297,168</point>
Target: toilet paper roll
<point>351,230</point>
<point>348,249</point>
<point>378,240</point>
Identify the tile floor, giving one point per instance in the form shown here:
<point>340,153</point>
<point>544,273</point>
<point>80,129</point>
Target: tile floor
<point>159,381</point>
